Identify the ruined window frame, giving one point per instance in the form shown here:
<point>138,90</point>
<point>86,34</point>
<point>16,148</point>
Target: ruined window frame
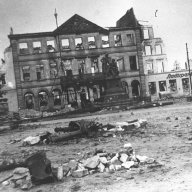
<point>67,67</point>
<point>152,88</point>
<point>43,102</point>
<point>118,42</point>
<point>105,43</point>
<point>53,69</point>
<point>79,45</point>
<point>146,33</point>
<point>51,46</point>
<point>36,49</point>
<point>148,50</point>
<point>162,87</point>
<point>26,73</point>
<point>23,49</point>
<point>56,97</point>
<point>67,46</point>
<point>95,65</point>
<point>81,66</point>
<point>160,68</point>
<point>91,44</point>
<point>159,50</point>
<point>185,86</point>
<point>40,72</point>
<point>133,66</point>
<point>130,38</point>
<point>121,61</point>
<point>173,85</point>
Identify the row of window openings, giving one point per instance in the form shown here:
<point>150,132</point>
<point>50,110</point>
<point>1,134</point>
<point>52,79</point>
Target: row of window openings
<point>23,47</point>
<point>172,86</point>
<point>67,67</point>
<point>148,50</point>
<point>160,67</point>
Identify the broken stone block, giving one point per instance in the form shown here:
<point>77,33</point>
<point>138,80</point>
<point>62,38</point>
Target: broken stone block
<point>72,164</point>
<point>128,164</point>
<point>80,166</point>
<point>92,162</point>
<point>80,173</point>
<point>102,154</point>
<point>103,160</point>
<point>123,157</point>
<point>115,158</point>
<point>117,167</point>
<point>111,168</point>
<point>142,159</point>
<point>101,167</point>
<point>31,140</point>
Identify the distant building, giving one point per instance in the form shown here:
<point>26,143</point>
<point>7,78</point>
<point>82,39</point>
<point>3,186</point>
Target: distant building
<point>53,69</point>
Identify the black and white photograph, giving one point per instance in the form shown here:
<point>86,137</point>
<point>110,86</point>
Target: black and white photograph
<point>95,95</point>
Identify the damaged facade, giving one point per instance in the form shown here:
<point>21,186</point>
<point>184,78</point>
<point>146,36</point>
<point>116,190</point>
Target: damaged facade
<point>55,69</point>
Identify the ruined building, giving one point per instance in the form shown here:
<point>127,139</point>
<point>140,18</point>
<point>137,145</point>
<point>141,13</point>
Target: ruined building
<point>72,64</point>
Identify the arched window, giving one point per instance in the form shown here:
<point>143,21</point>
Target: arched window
<point>56,97</point>
<point>29,100</point>
<point>43,99</point>
<point>135,88</point>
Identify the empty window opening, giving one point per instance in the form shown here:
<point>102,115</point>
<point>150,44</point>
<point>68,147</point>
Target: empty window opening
<point>81,66</point>
<point>162,86</point>
<point>135,88</point>
<point>94,65</point>
<point>158,49</point>
<point>146,33</point>
<point>149,67</point>
<point>148,50</point>
<point>91,42</point>
<point>160,66</point>
<point>173,85</point>
<point>118,41</point>
<point>125,86</point>
<point>26,73</point>
<point>53,69</point>
<point>56,97</point>
<point>185,84</point>
<point>78,43</point>
<point>50,46</point>
<point>23,48</point>
<point>152,88</point>
<point>105,41</point>
<point>68,67</point>
<point>120,64</point>
<point>37,47</point>
<point>29,100</point>
<point>43,99</point>
<point>133,63</point>
<point>130,38</point>
<point>65,44</point>
<point>39,71</point>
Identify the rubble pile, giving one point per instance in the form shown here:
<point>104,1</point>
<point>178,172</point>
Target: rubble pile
<point>102,161</point>
<point>38,169</point>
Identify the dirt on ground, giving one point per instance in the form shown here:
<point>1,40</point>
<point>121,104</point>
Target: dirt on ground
<point>167,138</point>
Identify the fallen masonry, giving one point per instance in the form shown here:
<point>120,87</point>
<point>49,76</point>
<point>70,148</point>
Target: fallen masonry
<point>38,169</point>
<point>88,128</point>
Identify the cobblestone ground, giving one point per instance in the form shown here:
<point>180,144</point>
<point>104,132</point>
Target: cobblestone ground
<point>168,140</point>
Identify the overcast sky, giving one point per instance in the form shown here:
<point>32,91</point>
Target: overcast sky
<point>173,22</point>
